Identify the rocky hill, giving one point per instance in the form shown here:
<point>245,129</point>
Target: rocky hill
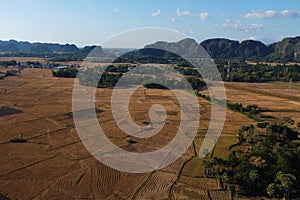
<point>13,46</point>
<point>288,50</point>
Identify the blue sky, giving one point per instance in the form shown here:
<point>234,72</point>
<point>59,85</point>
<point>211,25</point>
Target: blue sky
<point>86,22</point>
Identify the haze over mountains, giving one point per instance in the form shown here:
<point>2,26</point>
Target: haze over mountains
<point>287,50</point>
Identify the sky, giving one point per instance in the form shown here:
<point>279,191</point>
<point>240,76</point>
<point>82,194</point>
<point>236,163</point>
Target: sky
<point>88,22</point>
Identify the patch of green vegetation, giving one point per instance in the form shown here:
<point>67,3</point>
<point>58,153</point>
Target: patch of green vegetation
<point>268,165</point>
<point>146,123</point>
<point>288,120</point>
<point>154,86</point>
<point>78,179</point>
<point>8,63</point>
<point>70,126</point>
<point>66,73</point>
<point>251,111</point>
<point>242,72</point>
<point>129,140</point>
<point>6,196</point>
<point>18,140</point>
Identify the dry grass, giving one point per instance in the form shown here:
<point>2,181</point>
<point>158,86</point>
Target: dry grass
<point>53,158</point>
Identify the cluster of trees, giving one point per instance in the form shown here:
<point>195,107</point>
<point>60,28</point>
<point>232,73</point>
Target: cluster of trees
<point>251,111</point>
<point>8,63</point>
<point>268,165</point>
<point>66,73</point>
<point>113,73</point>
<point>187,71</point>
<point>195,83</point>
<point>13,72</point>
<point>241,72</point>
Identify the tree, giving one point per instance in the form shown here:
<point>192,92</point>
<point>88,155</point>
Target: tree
<point>288,120</point>
<point>262,125</point>
<point>253,175</point>
<point>207,166</point>
<point>219,180</point>
<point>258,162</point>
<point>228,184</point>
<point>272,190</point>
<point>286,183</point>
<point>275,154</point>
<point>240,138</point>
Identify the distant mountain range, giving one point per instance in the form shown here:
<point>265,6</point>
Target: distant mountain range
<point>287,50</point>
<point>13,46</point>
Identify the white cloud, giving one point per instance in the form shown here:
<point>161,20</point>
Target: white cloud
<point>157,13</point>
<point>254,38</point>
<point>238,25</point>
<point>272,14</point>
<point>265,40</point>
<point>116,10</point>
<point>186,12</point>
<point>191,32</point>
<point>290,13</point>
<point>173,19</point>
<point>204,16</point>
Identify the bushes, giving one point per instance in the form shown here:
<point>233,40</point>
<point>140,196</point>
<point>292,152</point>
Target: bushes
<point>251,111</point>
<point>18,140</point>
<point>129,140</point>
<point>241,72</point>
<point>66,73</point>
<point>288,120</point>
<point>79,178</point>
<point>154,85</point>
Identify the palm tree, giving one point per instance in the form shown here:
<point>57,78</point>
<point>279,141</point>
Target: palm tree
<point>258,162</point>
<point>253,175</point>
<point>271,190</point>
<point>286,183</point>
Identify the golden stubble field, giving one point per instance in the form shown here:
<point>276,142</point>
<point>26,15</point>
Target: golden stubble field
<point>54,164</point>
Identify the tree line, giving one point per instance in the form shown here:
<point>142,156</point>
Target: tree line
<point>268,165</point>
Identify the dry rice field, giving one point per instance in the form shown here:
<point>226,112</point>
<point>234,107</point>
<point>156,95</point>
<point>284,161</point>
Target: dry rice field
<point>54,164</point>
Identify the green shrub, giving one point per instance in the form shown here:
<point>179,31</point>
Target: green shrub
<point>18,140</point>
<point>79,178</point>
